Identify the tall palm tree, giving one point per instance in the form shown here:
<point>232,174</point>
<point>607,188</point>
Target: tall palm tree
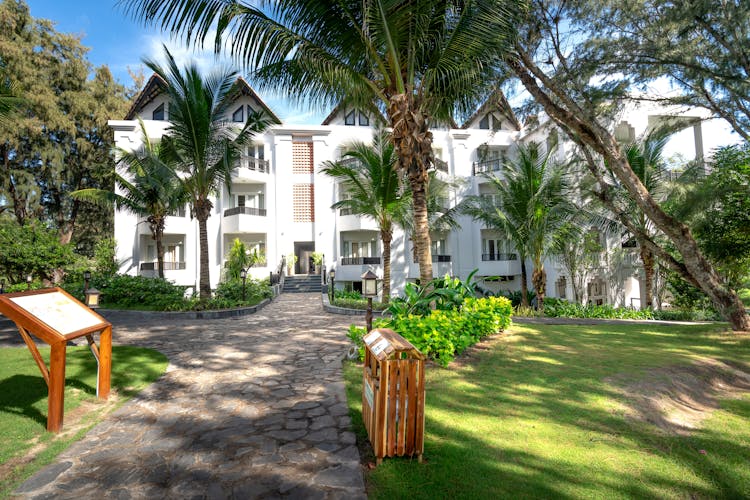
<point>530,208</point>
<point>421,61</point>
<point>198,141</point>
<point>150,188</point>
<point>371,183</point>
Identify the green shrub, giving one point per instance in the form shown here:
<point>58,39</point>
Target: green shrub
<point>442,334</point>
<point>133,292</point>
<point>230,292</point>
<point>560,308</point>
<point>346,294</point>
<point>359,304</point>
<point>687,315</point>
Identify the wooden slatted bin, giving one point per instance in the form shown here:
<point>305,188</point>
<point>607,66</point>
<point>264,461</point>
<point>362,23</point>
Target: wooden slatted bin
<point>393,395</point>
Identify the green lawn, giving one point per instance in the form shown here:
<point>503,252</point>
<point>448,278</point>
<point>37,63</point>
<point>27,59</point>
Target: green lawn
<point>23,402</point>
<point>547,412</point>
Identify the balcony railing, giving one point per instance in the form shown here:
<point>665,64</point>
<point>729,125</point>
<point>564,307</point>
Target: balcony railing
<point>359,261</point>
<point>441,165</point>
<point>261,212</point>
<point>482,167</point>
<point>256,164</point>
<point>435,258</point>
<point>499,256</point>
<point>168,266</point>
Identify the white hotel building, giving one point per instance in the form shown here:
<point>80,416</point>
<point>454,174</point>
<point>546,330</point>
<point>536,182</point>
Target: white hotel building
<point>280,204</point>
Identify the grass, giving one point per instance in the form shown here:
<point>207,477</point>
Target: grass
<point>537,415</point>
<point>23,403</point>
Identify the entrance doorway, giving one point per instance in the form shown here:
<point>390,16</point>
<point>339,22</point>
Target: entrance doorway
<point>304,250</point>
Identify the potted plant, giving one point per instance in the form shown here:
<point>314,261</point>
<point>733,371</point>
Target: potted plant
<point>317,260</point>
<point>291,259</point>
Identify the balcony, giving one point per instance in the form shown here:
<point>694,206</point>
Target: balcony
<point>435,258</point>
<point>441,165</point>
<point>259,212</point>
<point>499,256</point>
<point>360,261</point>
<point>483,167</point>
<point>168,266</point>
<point>255,164</point>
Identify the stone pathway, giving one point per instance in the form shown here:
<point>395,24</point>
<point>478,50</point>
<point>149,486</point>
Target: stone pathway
<point>251,407</point>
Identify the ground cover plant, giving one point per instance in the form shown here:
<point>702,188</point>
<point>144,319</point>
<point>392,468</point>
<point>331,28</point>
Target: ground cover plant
<point>615,411</point>
<point>351,299</point>
<point>23,403</point>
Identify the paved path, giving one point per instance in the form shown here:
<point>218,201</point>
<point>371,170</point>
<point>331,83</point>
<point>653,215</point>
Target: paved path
<point>252,407</point>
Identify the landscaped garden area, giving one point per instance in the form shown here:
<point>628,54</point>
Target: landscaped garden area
<point>26,445</point>
<point>610,411</point>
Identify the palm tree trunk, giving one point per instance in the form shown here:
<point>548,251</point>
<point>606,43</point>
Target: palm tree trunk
<point>600,140</point>
<point>647,258</point>
<point>524,284</point>
<point>202,212</point>
<point>413,141</point>
<point>539,279</point>
<point>156,224</point>
<point>386,236</point>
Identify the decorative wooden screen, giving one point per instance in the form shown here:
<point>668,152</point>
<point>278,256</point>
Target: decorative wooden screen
<point>304,203</point>
<point>302,157</point>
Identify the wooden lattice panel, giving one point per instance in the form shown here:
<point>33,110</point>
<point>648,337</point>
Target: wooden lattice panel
<point>302,157</point>
<point>304,203</point>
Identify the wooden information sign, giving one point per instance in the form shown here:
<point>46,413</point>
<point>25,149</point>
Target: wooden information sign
<point>55,317</point>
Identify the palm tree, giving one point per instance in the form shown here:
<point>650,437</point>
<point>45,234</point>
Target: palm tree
<point>421,61</point>
<point>204,150</point>
<point>10,95</point>
<point>150,188</point>
<point>647,161</point>
<point>529,210</point>
<point>371,184</point>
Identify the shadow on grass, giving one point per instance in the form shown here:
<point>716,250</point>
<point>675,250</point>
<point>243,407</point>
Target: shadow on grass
<point>533,416</point>
<point>19,394</point>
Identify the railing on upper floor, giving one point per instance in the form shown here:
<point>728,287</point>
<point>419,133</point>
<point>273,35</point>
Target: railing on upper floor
<point>483,167</point>
<point>435,258</point>
<point>168,266</point>
<point>255,164</point>
<point>261,212</point>
<point>359,261</point>
<point>499,256</point>
<point>441,165</point>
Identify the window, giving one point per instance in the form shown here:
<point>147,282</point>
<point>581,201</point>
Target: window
<point>239,115</point>
<point>358,248</point>
<point>364,120</point>
<point>180,212</point>
<point>349,118</point>
<point>437,247</point>
<point>343,195</point>
<point>491,246</point>
<point>561,286</point>
<point>484,123</point>
<point>250,200</point>
<point>257,151</point>
<point>158,113</point>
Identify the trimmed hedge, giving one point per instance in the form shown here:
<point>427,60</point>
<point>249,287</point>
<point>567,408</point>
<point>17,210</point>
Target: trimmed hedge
<point>442,334</point>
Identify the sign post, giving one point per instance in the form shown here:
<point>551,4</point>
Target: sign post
<point>55,317</point>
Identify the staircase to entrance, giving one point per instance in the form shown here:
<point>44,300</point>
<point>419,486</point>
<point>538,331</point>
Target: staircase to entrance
<point>302,284</point>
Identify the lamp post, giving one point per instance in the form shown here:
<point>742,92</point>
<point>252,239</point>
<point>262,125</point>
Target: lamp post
<point>29,279</point>
<point>86,278</point>
<point>2,286</point>
<point>369,290</point>
<point>92,298</point>
<point>243,275</point>
<point>331,290</point>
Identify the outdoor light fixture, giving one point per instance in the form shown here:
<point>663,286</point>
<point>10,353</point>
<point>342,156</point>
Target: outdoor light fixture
<point>92,298</point>
<point>243,275</point>
<point>369,284</point>
<point>2,286</point>
<point>29,279</point>
<point>369,290</point>
<point>331,284</point>
<point>86,278</point>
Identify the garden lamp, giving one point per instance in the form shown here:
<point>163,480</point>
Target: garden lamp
<point>243,275</point>
<point>29,279</point>
<point>92,298</point>
<point>2,286</point>
<point>86,278</point>
<point>369,290</point>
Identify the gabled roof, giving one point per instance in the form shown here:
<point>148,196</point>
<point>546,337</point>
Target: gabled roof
<point>495,102</point>
<point>152,89</point>
<point>339,107</point>
<point>156,86</point>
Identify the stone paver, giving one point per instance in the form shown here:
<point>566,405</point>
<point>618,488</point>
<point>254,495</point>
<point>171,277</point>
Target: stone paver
<point>250,407</point>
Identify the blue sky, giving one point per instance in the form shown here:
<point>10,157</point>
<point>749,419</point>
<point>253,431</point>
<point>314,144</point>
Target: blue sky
<point>118,41</point>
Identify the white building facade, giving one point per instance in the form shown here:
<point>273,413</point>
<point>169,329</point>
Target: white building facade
<point>280,204</point>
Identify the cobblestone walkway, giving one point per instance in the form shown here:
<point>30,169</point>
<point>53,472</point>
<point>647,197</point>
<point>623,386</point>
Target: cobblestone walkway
<point>252,407</point>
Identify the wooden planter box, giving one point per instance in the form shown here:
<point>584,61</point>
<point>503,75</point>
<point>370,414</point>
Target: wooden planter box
<point>393,395</point>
